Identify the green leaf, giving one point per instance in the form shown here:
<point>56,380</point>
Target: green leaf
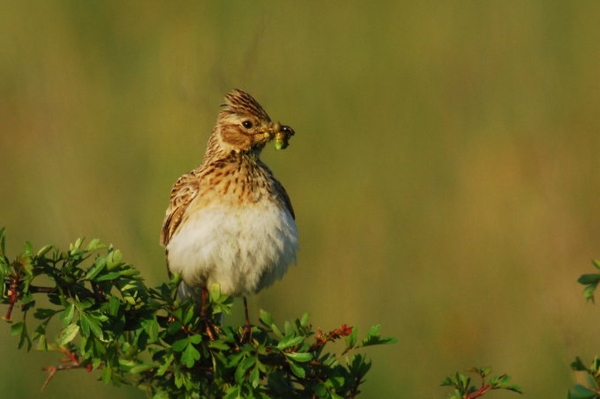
<point>23,335</point>
<point>290,341</point>
<point>287,328</point>
<point>189,356</point>
<point>90,323</point>
<point>215,292</point>
<point>174,327</point>
<point>95,245</point>
<point>42,344</point>
<point>180,345</point>
<point>586,279</point>
<point>2,242</point>
<point>28,249</point>
<point>513,388</point>
<point>247,362</point>
<point>67,315</point>
<point>301,357</point>
<point>17,328</point>
<point>297,370</point>
<point>44,250</point>
<point>139,369</point>
<point>255,377</point>
<point>113,306</point>
<point>165,365</point>
<point>218,344</point>
<point>114,259</point>
<point>243,367</point>
<point>74,247</point>
<point>233,393</point>
<point>130,272</point>
<point>276,331</point>
<point>350,339</point>
<point>266,318</point>
<point>68,334</point>
<point>581,392</point>
<point>195,339</point>
<point>588,292</point>
<point>96,268</point>
<point>374,331</point>
<point>109,276</point>
<point>578,365</point>
<point>374,338</point>
<point>304,320</point>
<point>595,365</point>
<point>485,371</point>
<point>151,327</point>
<point>44,313</point>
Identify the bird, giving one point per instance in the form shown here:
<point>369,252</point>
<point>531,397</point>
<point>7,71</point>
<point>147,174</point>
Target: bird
<point>230,221</point>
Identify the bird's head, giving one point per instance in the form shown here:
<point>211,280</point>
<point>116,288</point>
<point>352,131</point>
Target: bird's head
<point>244,126</point>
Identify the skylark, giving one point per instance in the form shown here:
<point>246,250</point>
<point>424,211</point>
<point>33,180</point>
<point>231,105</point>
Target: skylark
<point>230,221</point>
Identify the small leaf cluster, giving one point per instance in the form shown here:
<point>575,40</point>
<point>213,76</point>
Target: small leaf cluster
<point>589,388</point>
<point>464,389</point>
<point>590,281</point>
<point>106,320</point>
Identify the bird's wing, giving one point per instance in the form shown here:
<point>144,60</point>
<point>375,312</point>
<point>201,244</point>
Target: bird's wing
<point>279,189</point>
<point>184,191</point>
<point>285,197</point>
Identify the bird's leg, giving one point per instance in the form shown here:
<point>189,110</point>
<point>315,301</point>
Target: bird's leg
<point>246,312</point>
<point>247,334</point>
<point>210,327</point>
<point>204,304</point>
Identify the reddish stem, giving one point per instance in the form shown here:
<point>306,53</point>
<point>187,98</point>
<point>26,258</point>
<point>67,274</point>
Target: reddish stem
<point>13,293</point>
<point>73,363</point>
<point>479,393</point>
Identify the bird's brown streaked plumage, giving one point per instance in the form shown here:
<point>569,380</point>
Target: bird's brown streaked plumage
<point>184,191</point>
<point>229,221</point>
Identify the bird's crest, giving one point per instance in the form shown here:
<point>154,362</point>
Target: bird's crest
<point>239,102</point>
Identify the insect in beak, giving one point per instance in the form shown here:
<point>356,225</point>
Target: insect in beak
<point>282,136</point>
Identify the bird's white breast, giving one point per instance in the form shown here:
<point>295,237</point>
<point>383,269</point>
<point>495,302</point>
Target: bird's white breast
<point>243,250</point>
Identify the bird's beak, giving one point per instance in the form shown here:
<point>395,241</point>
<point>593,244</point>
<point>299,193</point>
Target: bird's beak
<point>274,129</point>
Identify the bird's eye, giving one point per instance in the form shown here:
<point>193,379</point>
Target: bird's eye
<point>247,124</point>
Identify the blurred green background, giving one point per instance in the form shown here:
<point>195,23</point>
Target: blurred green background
<point>445,170</point>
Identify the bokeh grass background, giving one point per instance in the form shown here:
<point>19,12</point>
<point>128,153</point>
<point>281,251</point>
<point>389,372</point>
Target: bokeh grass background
<point>445,170</point>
